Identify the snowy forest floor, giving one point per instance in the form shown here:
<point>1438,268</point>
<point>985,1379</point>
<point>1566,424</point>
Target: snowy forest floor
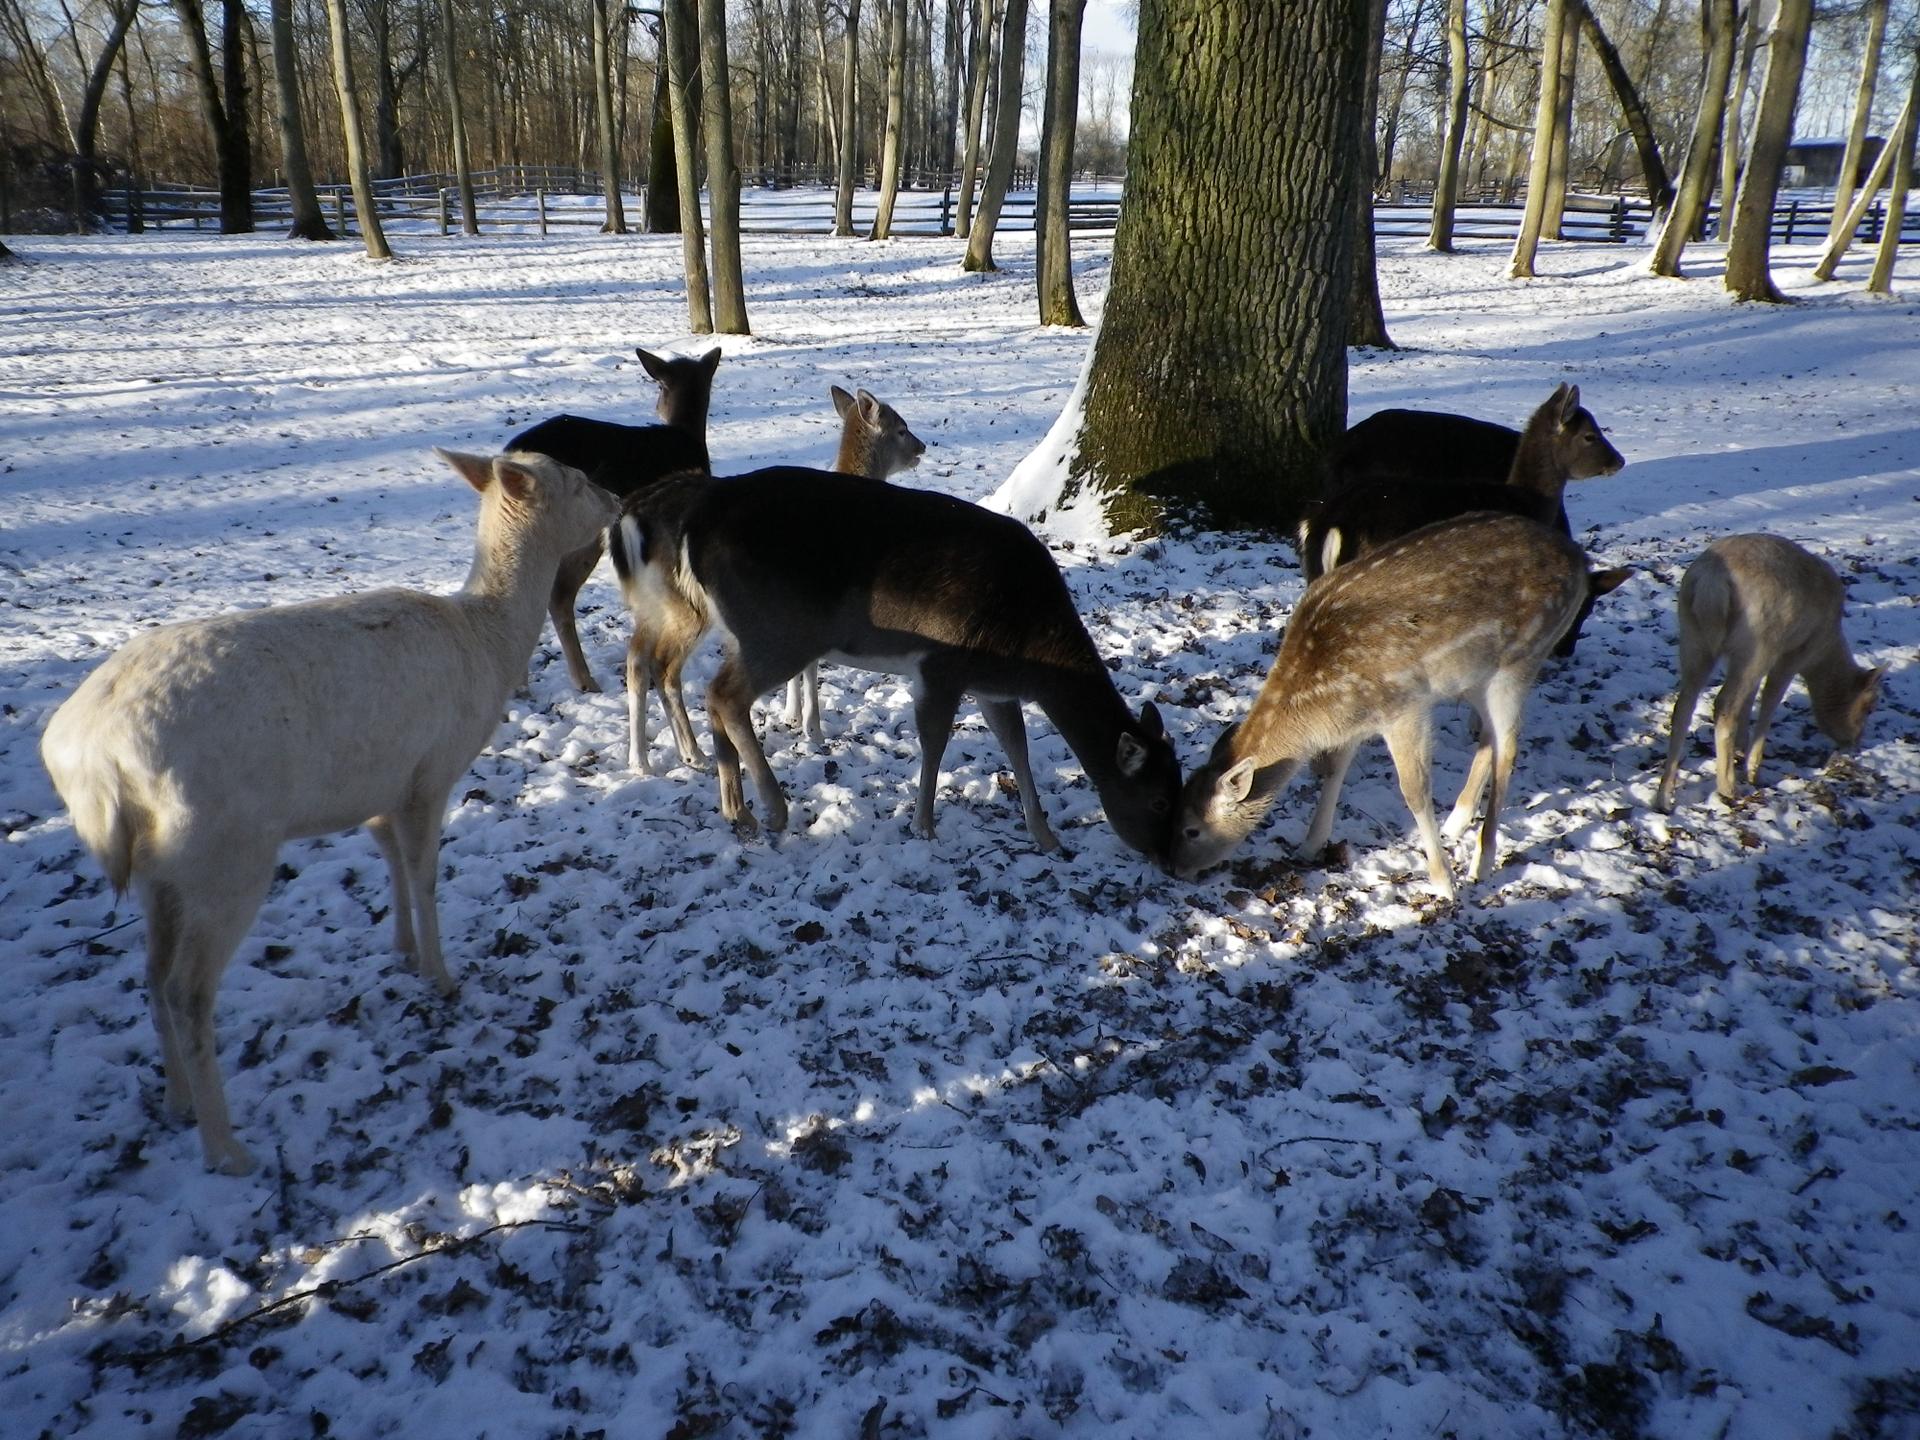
<point>850,1133</point>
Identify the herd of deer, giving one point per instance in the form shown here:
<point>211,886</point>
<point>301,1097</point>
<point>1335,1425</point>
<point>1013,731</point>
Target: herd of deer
<point>1441,567</point>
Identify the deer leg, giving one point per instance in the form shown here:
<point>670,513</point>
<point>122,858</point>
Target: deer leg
<point>1695,665</point>
<point>1009,727</point>
<point>162,905</point>
<point>416,826</point>
<point>934,707</point>
<point>1410,743</point>
<point>1730,710</point>
<point>1505,700</point>
<point>213,918</point>
<point>671,648</point>
<point>1461,816</point>
<point>810,713</point>
<point>730,708</point>
<point>1331,767</point>
<point>381,828</point>
<point>1771,693</point>
<point>573,573</point>
<point>639,674</point>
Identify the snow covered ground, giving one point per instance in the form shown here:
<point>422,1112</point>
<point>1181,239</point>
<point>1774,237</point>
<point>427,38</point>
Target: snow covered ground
<point>851,1133</point>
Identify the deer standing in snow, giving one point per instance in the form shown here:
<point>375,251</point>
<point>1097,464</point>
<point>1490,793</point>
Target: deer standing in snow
<point>1465,610</point>
<point>874,442</point>
<point>1772,611</point>
<point>797,565</point>
<point>196,750</point>
<point>621,459</point>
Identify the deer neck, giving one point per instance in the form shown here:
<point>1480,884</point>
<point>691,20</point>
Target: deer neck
<point>855,456</point>
<point>1081,703</point>
<point>1536,466</point>
<point>507,586</point>
<point>1832,683</point>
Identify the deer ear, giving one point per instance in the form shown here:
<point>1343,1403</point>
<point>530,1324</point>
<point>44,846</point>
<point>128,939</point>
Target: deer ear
<point>869,408</point>
<point>842,401</point>
<point>1605,582</point>
<point>476,470</point>
<point>517,481</point>
<point>1150,721</point>
<point>1569,403</point>
<point>1130,755</point>
<point>1236,784</point>
<point>710,361</point>
<point>654,365</point>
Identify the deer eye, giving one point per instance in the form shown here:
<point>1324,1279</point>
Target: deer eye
<point>1159,807</point>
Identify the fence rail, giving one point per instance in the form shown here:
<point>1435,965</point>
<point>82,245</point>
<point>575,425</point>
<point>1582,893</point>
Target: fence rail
<point>792,203</point>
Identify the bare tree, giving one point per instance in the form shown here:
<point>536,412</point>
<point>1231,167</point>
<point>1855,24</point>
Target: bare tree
<point>681,43</point>
<point>1632,109</point>
<point>363,197</point>
<point>457,121</point>
<point>605,21</point>
<point>1006,137</point>
<point>1446,189</point>
<point>1732,136</point>
<point>1880,282</point>
<point>849,125</point>
<point>1546,118</point>
<point>1748,276</point>
<point>1862,105</point>
<point>977,77</point>
<point>1689,206</point>
<point>309,221</point>
<point>1856,212</point>
<point>86,131</point>
<point>890,149</point>
<point>1366,320</point>
<point>225,113</point>
<point>1055,268</point>
<point>723,173</point>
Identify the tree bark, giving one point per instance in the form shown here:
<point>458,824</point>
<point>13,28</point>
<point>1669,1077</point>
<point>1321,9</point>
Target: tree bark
<point>1862,105</point>
<point>309,221</point>
<point>890,146</point>
<point>363,197</point>
<point>1748,247</point>
<point>457,122</point>
<point>663,175</point>
<point>1856,212</point>
<point>1632,109</point>
<point>1689,206</point>
<point>1006,138</point>
<point>1557,170</point>
<point>1219,372</point>
<point>1546,115</point>
<point>723,173</point>
<point>682,69</point>
<point>1366,320</point>
<point>86,130</point>
<point>978,55</point>
<point>603,23</point>
<point>1880,282</point>
<point>1732,135</point>
<point>226,116</point>
<point>849,125</point>
<point>1446,189</point>
<point>1055,269</point>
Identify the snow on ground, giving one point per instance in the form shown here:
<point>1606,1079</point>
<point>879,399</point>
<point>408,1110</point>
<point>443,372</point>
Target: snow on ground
<point>855,1133</point>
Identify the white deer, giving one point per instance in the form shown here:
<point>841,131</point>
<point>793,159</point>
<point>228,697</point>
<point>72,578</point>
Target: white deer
<point>196,750</point>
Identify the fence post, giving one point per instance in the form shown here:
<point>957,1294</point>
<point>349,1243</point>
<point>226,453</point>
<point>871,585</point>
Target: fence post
<point>1793,214</point>
<point>1875,218</point>
<point>1617,221</point>
<point>946,208</point>
<point>540,198</point>
<point>443,211</point>
<point>340,211</point>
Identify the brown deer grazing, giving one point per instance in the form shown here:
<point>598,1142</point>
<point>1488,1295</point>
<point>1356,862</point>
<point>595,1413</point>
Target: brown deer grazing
<point>621,459</point>
<point>803,565</point>
<point>1383,497</point>
<point>1464,610</point>
<point>874,442</point>
<point>1773,611</point>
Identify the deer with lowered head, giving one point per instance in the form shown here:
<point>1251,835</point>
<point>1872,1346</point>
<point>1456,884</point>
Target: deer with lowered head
<point>1463,610</point>
<point>796,566</point>
<point>1382,493</point>
<point>621,459</point>
<point>197,750</point>
<point>874,442</point>
<point>1772,611</point>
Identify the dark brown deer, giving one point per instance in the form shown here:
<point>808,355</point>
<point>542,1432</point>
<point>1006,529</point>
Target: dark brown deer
<point>1464,610</point>
<point>1384,497</point>
<point>621,459</point>
<point>1773,611</point>
<point>799,565</point>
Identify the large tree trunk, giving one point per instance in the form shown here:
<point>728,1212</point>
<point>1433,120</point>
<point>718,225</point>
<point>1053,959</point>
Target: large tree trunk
<point>1632,109</point>
<point>977,77</point>
<point>1732,133</point>
<point>1862,105</point>
<point>890,147</point>
<point>603,23</point>
<point>849,125</point>
<point>1748,247</point>
<point>363,198</point>
<point>226,117</point>
<point>1055,268</point>
<point>86,182</point>
<point>723,173</point>
<point>663,176</point>
<point>1696,170</point>
<point>1366,320</point>
<point>1446,189</point>
<point>457,122</point>
<point>309,221</point>
<point>682,42</point>
<point>1880,282</point>
<point>1006,138</point>
<point>1220,368</point>
<point>1546,115</point>
<point>1555,213</point>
